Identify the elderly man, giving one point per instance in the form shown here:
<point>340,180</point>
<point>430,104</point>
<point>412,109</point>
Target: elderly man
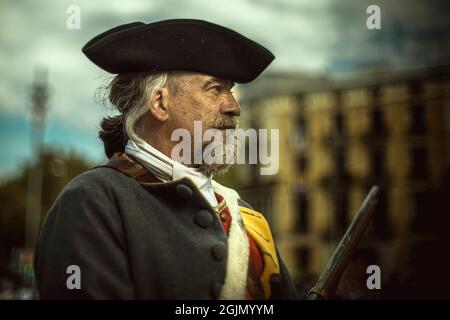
<point>144,226</point>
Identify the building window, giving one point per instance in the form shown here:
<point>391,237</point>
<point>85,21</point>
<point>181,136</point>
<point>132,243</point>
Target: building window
<point>300,134</point>
<point>419,168</point>
<point>304,257</point>
<point>377,122</point>
<point>302,163</point>
<point>418,125</point>
<point>302,224</point>
<point>339,123</point>
<point>341,208</point>
<point>380,224</point>
<point>340,169</point>
<point>378,164</point>
<point>417,110</point>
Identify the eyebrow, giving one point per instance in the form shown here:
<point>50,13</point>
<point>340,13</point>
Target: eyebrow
<point>227,83</point>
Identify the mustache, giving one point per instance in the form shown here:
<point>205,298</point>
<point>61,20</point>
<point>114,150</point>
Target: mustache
<point>226,122</point>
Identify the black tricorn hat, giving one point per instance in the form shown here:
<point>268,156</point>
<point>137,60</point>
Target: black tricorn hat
<point>179,45</point>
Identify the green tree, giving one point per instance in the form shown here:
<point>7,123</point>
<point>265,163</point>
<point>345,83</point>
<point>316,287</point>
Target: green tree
<point>58,169</point>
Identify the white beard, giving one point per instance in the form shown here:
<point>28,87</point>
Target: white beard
<point>223,156</point>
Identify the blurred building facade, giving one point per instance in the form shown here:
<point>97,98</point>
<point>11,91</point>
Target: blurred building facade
<point>339,136</point>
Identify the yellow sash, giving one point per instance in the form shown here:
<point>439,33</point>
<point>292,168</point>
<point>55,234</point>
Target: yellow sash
<point>258,228</point>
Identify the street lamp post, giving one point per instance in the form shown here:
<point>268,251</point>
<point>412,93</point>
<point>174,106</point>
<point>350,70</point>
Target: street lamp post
<point>39,99</point>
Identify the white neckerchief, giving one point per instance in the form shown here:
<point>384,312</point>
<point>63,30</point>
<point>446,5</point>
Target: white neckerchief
<point>166,169</point>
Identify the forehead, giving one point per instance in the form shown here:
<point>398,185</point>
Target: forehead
<point>204,78</point>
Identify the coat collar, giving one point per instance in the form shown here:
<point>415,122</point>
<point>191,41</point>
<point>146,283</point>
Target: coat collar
<point>129,166</point>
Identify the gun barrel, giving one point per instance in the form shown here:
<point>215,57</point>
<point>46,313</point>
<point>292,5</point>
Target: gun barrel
<point>329,278</point>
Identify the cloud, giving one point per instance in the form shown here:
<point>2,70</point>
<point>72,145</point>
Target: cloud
<point>305,36</point>
<point>410,35</point>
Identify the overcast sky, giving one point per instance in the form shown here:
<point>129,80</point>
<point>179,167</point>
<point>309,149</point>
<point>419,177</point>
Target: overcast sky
<point>320,36</point>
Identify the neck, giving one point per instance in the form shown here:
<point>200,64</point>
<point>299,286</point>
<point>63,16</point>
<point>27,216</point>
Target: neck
<point>159,139</point>
<point>161,146</point>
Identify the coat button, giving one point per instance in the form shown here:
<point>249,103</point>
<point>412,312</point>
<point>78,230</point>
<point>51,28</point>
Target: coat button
<point>216,289</point>
<point>184,191</point>
<point>204,218</point>
<point>219,251</point>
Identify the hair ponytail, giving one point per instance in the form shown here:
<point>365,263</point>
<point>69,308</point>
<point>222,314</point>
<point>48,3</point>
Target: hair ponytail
<point>113,135</point>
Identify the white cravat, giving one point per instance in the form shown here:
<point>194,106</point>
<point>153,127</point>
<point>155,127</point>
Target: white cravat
<point>166,169</point>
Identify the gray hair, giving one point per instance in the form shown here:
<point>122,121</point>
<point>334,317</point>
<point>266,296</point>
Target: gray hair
<point>130,94</point>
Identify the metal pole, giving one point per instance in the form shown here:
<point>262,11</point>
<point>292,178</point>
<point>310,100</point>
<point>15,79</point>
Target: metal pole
<point>39,99</point>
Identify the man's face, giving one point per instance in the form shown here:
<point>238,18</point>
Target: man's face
<point>204,98</point>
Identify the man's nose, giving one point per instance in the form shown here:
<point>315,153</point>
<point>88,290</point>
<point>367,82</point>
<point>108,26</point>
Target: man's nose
<point>231,107</point>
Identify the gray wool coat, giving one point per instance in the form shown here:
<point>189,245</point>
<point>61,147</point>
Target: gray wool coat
<point>132,240</point>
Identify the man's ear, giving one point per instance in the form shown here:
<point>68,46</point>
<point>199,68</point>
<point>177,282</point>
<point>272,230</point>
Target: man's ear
<point>159,105</point>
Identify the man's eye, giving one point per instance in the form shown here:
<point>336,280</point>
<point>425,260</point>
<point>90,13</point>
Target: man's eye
<point>216,89</point>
